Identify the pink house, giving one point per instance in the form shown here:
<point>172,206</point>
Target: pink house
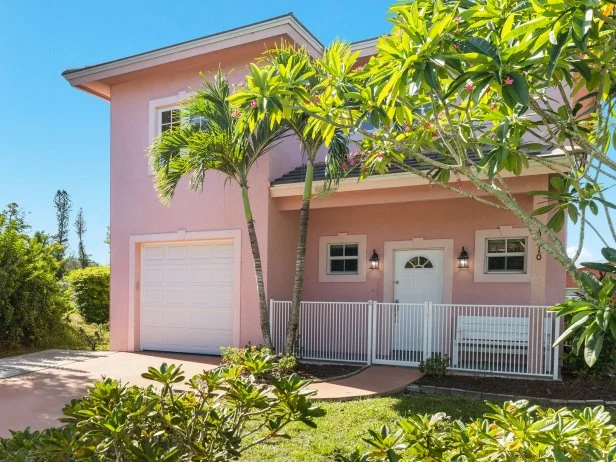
<point>182,277</point>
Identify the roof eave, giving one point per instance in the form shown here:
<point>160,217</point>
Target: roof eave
<point>81,78</point>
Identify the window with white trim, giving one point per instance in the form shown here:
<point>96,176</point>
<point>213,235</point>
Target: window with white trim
<point>506,255</point>
<point>168,118</point>
<point>343,258</point>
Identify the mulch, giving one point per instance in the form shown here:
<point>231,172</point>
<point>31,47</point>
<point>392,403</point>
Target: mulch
<point>570,388</point>
<point>314,371</point>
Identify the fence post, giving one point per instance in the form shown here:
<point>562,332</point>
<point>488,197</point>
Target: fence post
<point>271,323</point>
<point>556,372</point>
<point>426,330</point>
<point>369,346</point>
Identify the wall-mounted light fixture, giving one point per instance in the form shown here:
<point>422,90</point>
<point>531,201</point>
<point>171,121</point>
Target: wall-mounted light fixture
<point>374,260</point>
<point>463,259</point>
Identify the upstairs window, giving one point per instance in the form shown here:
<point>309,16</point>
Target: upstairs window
<point>343,258</point>
<point>507,255</point>
<point>168,118</point>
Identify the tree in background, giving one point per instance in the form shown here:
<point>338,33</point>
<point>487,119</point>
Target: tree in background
<point>216,137</point>
<point>32,300</point>
<point>80,229</point>
<point>62,202</point>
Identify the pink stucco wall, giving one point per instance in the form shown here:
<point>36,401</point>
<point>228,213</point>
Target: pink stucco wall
<point>136,210</point>
<point>401,214</point>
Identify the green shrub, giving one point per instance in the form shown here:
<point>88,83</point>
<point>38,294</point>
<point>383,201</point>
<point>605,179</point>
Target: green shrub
<point>435,366</point>
<point>89,288</point>
<point>32,301</point>
<point>222,414</point>
<point>513,431</point>
<point>250,357</point>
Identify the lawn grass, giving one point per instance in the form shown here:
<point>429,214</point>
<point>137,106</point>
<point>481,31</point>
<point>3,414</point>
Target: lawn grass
<point>341,429</point>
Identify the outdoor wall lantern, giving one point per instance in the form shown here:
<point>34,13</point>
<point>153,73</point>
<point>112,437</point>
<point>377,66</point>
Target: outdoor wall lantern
<point>463,259</point>
<point>374,260</point>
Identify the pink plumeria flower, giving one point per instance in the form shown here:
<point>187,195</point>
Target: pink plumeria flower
<point>458,19</point>
<point>508,80</point>
<point>254,104</point>
<point>235,114</point>
<point>352,162</point>
<point>459,183</point>
<point>407,128</point>
<point>344,165</point>
<point>379,155</point>
<point>315,100</point>
<point>456,46</point>
<point>469,86</point>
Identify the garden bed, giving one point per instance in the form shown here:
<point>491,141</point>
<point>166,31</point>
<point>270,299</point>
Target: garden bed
<point>322,371</point>
<point>570,388</point>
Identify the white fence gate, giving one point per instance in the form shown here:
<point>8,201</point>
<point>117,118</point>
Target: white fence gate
<point>476,338</point>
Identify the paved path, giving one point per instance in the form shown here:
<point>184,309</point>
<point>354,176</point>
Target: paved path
<point>374,380</point>
<point>35,387</point>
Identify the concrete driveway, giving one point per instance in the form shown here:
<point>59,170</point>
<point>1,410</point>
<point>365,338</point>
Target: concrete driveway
<point>35,387</point>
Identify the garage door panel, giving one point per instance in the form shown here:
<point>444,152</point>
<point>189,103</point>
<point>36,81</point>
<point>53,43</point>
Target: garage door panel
<point>177,252</point>
<point>177,275</point>
<point>210,296</point>
<point>153,253</point>
<point>153,295</point>
<point>187,297</point>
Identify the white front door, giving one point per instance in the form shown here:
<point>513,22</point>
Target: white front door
<point>186,296</point>
<point>418,278</point>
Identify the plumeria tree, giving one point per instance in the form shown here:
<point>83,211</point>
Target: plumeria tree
<point>468,94</point>
<point>216,136</point>
<point>289,79</point>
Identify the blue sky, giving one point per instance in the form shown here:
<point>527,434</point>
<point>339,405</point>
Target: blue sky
<point>57,137</point>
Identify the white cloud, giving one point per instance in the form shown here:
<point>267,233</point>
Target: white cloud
<point>585,254</point>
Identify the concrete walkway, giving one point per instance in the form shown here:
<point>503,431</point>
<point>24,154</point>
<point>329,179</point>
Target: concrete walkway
<point>35,387</point>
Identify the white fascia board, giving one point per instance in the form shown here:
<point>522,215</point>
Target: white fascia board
<point>215,42</point>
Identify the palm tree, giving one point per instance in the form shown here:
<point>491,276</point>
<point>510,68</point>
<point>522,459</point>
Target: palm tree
<point>216,137</point>
<point>287,90</point>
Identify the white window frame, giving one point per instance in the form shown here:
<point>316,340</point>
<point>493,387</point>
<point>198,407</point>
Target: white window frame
<point>506,254</point>
<point>342,238</point>
<point>156,106</point>
<point>479,260</point>
<point>342,258</point>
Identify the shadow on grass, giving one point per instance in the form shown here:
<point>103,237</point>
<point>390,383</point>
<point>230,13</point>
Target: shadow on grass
<point>454,406</point>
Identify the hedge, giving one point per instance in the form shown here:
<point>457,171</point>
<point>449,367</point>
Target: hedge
<point>89,288</point>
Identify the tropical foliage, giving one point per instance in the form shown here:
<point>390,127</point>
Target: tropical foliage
<point>594,315</point>
<point>222,414</point>
<point>216,136</point>
<point>32,301</point>
<point>513,431</point>
<point>89,288</point>
<point>467,95</point>
<point>290,78</point>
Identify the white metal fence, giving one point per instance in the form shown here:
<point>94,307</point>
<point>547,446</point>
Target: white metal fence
<point>476,338</point>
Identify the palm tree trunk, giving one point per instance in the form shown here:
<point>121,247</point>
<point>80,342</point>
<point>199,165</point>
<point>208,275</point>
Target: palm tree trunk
<point>256,256</point>
<point>298,285</point>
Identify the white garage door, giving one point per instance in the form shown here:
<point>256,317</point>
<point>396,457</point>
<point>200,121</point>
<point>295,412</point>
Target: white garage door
<point>186,296</point>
